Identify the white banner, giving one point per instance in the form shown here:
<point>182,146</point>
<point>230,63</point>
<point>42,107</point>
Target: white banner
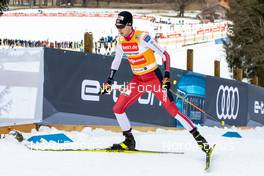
<point>21,85</point>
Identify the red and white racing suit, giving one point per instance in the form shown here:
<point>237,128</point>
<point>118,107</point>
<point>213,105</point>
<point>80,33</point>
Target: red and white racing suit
<point>139,47</point>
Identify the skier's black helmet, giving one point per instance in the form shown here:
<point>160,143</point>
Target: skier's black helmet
<point>124,18</point>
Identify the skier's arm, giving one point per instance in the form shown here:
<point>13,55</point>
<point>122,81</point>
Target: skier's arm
<point>152,44</point>
<point>116,63</point>
<point>114,67</point>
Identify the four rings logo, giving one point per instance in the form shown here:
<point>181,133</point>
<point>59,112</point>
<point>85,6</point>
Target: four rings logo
<point>227,102</point>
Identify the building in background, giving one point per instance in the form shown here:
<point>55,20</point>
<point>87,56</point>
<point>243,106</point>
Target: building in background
<point>215,9</point>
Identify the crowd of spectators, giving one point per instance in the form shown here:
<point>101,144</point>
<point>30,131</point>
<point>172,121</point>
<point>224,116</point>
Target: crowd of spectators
<point>104,46</point>
<point>16,43</point>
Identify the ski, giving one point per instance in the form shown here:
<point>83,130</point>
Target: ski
<point>106,150</point>
<point>208,157</point>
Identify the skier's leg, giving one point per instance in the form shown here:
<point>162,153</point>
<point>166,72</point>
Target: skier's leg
<point>123,102</point>
<point>167,101</point>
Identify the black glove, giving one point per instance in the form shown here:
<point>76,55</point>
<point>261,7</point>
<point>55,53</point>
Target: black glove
<point>166,81</point>
<point>106,87</point>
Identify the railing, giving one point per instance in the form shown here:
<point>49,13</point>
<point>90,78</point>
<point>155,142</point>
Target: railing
<point>193,34</point>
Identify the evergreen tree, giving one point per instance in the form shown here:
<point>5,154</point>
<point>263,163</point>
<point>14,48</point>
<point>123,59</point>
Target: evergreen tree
<point>3,6</point>
<point>246,47</point>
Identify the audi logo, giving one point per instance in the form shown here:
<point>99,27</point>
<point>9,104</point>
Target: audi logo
<point>227,102</point>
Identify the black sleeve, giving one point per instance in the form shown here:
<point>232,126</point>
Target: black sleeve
<point>110,78</point>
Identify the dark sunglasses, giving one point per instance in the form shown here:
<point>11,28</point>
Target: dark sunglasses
<point>120,26</point>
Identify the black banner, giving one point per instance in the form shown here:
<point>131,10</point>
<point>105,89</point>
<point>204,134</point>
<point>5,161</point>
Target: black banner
<point>73,79</point>
<point>256,103</point>
<point>227,100</point>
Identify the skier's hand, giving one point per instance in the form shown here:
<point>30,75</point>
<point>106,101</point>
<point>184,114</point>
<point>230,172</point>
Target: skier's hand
<point>166,81</point>
<point>106,88</point>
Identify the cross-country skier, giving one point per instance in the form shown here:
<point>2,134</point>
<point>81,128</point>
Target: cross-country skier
<point>139,48</point>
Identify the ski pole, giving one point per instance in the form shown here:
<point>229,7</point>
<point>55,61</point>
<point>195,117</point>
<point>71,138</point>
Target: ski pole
<point>222,122</point>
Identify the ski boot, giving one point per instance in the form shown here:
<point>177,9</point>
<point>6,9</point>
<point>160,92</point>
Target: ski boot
<point>203,144</point>
<point>128,144</point>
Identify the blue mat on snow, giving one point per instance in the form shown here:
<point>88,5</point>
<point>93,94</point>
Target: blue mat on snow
<point>58,138</point>
<point>232,134</point>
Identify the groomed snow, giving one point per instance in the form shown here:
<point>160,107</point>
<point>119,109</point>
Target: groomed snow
<point>232,156</point>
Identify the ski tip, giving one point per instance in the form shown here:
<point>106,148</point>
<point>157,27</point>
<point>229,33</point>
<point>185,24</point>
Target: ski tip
<point>208,157</point>
<point>212,148</point>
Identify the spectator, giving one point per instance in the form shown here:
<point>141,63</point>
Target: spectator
<point>73,45</point>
